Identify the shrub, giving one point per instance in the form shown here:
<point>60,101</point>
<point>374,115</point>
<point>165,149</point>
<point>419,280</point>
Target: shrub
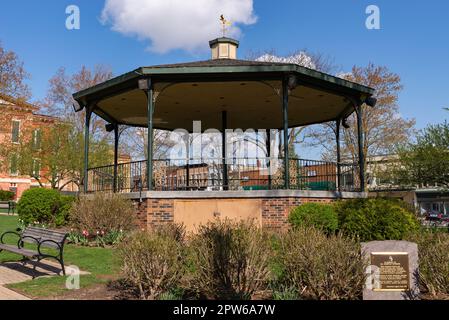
<point>65,204</point>
<point>6,195</point>
<point>230,260</point>
<point>321,216</point>
<point>376,219</point>
<point>319,267</point>
<point>43,206</point>
<point>433,261</point>
<point>153,262</point>
<point>102,213</point>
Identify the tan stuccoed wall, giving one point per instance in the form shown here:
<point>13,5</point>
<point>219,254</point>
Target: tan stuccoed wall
<point>268,209</point>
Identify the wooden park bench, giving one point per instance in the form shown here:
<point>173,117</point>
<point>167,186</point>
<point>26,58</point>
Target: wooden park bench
<point>10,205</point>
<point>42,238</point>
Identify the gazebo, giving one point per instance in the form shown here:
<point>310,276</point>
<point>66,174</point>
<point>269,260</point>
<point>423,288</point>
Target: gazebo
<point>227,94</point>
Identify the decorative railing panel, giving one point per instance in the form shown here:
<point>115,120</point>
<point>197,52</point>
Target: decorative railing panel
<point>241,174</point>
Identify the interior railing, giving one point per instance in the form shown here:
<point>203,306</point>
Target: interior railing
<point>241,174</point>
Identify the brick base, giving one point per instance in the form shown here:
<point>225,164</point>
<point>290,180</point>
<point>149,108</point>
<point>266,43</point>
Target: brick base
<point>274,211</point>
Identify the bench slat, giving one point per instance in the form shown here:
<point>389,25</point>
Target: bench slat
<point>44,234</point>
<point>24,252</point>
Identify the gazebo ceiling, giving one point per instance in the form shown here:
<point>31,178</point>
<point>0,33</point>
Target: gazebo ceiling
<point>250,92</point>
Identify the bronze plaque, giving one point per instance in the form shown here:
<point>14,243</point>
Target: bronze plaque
<point>392,271</point>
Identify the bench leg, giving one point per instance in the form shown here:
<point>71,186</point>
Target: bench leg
<point>61,261</point>
<point>34,267</point>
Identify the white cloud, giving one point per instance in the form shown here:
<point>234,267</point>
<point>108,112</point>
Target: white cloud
<point>177,24</point>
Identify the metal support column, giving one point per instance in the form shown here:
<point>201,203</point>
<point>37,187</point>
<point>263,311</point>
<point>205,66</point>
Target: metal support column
<point>360,137</point>
<point>268,147</point>
<point>285,125</point>
<point>150,135</point>
<point>224,119</point>
<point>86,147</point>
<point>337,136</point>
<point>187,161</point>
<point>116,141</point>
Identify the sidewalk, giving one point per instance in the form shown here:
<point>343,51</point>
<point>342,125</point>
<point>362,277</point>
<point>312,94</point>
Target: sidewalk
<point>6,294</point>
<point>16,272</point>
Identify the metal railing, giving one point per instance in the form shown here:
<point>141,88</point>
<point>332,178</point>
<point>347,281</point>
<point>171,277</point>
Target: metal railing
<point>241,174</point>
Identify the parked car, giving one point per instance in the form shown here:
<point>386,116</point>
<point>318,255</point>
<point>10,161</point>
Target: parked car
<point>434,216</point>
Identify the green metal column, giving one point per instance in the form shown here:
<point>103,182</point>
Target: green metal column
<point>337,136</point>
<point>360,137</point>
<point>150,135</point>
<point>86,147</point>
<point>188,161</point>
<point>224,119</point>
<point>268,147</point>
<point>116,141</point>
<point>285,124</point>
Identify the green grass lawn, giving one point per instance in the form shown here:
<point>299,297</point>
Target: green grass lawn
<point>100,262</point>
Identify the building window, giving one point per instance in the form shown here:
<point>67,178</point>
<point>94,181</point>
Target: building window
<point>36,168</point>
<point>13,165</point>
<point>311,173</point>
<point>15,131</point>
<point>37,138</point>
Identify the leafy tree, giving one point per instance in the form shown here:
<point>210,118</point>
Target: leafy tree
<point>12,75</point>
<point>56,158</point>
<point>383,127</point>
<point>427,160</point>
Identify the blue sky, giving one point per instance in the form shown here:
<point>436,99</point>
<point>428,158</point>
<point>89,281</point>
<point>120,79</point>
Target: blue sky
<point>413,42</point>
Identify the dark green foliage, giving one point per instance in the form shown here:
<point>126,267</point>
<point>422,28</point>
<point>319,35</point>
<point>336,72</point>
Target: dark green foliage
<point>426,160</point>
<point>44,206</point>
<point>321,216</point>
<point>376,219</point>
<point>6,195</point>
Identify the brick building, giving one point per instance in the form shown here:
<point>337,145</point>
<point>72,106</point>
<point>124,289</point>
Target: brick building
<point>17,117</point>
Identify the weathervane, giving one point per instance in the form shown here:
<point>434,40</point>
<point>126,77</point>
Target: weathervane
<point>225,24</point>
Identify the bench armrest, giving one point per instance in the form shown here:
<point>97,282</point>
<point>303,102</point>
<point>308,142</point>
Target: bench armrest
<point>14,233</point>
<point>51,241</point>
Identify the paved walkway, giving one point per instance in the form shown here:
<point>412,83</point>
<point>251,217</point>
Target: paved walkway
<point>16,272</point>
<point>6,294</point>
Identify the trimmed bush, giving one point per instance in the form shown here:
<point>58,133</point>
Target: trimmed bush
<point>376,219</point>
<point>153,263</point>
<point>230,260</point>
<point>320,216</point>
<point>65,204</point>
<point>43,206</point>
<point>102,213</point>
<point>320,267</point>
<point>6,195</point>
<point>433,262</point>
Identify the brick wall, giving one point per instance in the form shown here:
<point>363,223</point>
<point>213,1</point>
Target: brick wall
<point>274,211</point>
<point>153,212</point>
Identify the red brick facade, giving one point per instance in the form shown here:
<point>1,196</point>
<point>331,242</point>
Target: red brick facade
<point>27,120</point>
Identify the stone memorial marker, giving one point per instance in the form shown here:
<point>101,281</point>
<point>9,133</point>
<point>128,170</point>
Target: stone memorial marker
<point>392,271</point>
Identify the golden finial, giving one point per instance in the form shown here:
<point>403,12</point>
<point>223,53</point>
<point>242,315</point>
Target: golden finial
<point>225,24</point>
